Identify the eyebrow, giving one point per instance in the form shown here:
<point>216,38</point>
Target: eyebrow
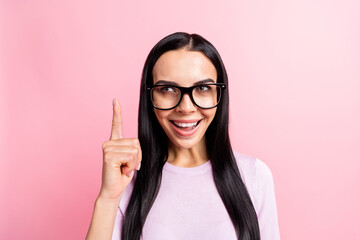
<point>164,82</point>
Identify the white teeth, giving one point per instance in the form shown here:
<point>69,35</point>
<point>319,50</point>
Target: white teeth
<point>185,124</point>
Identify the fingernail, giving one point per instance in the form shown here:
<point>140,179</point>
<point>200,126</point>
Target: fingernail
<point>131,174</point>
<point>114,102</point>
<point>138,168</point>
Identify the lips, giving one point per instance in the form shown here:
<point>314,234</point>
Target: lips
<point>185,127</point>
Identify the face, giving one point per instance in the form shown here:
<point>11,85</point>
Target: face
<point>186,124</point>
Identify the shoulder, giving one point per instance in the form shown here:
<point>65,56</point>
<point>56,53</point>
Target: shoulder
<point>259,182</point>
<point>252,168</point>
<point>255,173</point>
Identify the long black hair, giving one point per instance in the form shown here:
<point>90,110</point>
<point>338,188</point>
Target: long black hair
<point>153,141</point>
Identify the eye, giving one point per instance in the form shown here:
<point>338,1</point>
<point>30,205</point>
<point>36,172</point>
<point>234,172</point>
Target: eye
<point>167,89</point>
<point>203,88</point>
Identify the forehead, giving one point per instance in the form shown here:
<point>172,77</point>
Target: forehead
<point>184,67</point>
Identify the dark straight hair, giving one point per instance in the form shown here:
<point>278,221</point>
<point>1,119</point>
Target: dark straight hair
<point>154,142</point>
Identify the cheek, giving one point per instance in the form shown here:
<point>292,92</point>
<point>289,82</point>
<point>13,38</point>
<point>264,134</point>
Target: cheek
<point>161,115</point>
<point>210,114</point>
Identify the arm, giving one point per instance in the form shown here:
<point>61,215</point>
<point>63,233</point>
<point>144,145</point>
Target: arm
<point>266,202</point>
<point>120,158</point>
<point>103,219</point>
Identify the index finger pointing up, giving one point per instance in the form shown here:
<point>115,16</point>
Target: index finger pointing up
<point>116,129</point>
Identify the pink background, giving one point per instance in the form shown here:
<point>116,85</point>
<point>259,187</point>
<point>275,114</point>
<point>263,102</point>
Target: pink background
<point>294,72</point>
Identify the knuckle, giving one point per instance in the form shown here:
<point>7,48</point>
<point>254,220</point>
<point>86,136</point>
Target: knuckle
<point>115,122</point>
<point>108,156</point>
<point>106,150</point>
<point>136,151</point>
<point>104,145</point>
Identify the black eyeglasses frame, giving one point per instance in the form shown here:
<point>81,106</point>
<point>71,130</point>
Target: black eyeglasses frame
<point>184,90</point>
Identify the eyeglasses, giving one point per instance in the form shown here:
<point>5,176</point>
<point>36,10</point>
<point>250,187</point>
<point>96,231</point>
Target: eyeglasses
<point>205,96</point>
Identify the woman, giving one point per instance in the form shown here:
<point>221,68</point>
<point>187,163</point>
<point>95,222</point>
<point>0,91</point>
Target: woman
<point>189,183</point>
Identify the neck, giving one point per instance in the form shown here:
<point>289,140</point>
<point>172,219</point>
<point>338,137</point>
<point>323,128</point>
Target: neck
<point>188,157</point>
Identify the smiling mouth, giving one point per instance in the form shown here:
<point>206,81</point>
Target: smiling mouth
<point>185,126</point>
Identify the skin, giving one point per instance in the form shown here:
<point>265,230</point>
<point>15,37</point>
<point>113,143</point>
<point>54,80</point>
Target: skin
<point>185,68</point>
<point>121,157</point>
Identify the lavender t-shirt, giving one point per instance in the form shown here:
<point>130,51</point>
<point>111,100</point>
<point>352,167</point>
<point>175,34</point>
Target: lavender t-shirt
<point>188,205</point>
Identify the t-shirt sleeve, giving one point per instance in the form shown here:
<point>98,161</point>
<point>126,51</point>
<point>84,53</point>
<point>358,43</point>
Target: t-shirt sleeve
<point>266,202</point>
<point>116,235</point>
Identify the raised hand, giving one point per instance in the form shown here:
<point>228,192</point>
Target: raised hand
<point>121,157</point>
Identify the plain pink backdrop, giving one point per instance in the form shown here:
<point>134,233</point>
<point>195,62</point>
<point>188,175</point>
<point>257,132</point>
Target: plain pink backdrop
<point>294,74</point>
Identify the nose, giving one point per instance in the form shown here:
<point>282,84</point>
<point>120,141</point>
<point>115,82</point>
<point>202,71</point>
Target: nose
<point>186,105</point>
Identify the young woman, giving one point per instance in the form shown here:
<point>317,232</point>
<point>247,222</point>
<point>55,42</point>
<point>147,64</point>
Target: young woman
<point>189,183</point>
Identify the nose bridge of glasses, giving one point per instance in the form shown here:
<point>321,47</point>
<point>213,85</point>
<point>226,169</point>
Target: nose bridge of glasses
<point>186,97</point>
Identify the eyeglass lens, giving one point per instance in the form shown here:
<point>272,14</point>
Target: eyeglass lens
<point>205,96</point>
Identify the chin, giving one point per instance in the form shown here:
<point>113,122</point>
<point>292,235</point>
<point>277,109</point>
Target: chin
<point>186,143</point>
